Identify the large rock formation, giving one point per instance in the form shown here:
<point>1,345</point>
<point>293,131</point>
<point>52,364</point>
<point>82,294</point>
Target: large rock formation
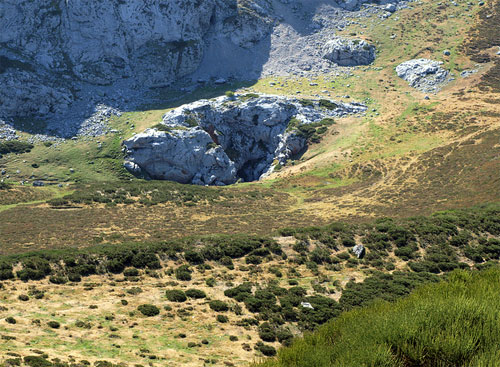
<point>424,74</point>
<point>356,4</point>
<point>47,46</point>
<point>80,53</point>
<point>217,142</point>
<point>349,52</point>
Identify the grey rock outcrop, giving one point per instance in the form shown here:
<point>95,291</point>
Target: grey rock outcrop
<point>356,4</point>
<point>47,46</point>
<point>25,94</point>
<point>424,74</point>
<point>359,251</point>
<point>97,124</point>
<point>7,132</point>
<point>185,156</point>
<point>468,73</point>
<point>391,8</point>
<point>349,52</point>
<point>217,142</point>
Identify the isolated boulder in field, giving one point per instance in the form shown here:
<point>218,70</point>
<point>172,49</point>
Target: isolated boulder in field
<point>359,251</point>
<point>349,52</point>
<point>424,74</point>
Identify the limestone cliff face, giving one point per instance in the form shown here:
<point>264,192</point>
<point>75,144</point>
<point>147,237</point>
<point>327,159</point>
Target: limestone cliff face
<point>53,43</point>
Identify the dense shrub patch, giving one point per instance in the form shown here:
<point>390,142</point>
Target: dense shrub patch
<point>222,319</point>
<point>218,306</point>
<point>149,310</point>
<point>183,273</point>
<point>15,146</point>
<point>195,293</point>
<point>383,286</point>
<point>420,330</point>
<point>176,295</point>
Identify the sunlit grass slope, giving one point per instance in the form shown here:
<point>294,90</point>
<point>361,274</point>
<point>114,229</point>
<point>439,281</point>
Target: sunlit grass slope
<point>452,323</point>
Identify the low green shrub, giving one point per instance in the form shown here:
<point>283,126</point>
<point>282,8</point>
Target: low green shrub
<point>15,146</point>
<point>267,350</point>
<point>176,295</point>
<point>74,277</point>
<point>253,259</point>
<point>183,273</point>
<point>195,293</point>
<point>54,324</point>
<point>134,291</point>
<point>218,306</point>
<point>131,272</point>
<point>148,310</point>
<point>382,286</point>
<point>344,255</point>
<point>211,282</point>
<point>58,279</point>
<point>284,336</point>
<point>193,257</point>
<point>240,292</point>
<point>37,361</point>
<point>267,333</point>
<point>222,319</point>
<point>324,103</point>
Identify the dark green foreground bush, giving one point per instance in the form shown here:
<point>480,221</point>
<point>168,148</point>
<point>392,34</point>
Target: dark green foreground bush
<point>451,323</point>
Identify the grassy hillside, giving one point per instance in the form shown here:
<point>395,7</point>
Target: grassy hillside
<point>452,323</point>
<point>216,299</point>
<point>99,268</point>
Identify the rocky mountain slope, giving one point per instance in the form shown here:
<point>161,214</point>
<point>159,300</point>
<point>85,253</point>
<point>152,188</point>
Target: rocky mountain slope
<point>52,50</point>
<point>60,59</point>
<point>101,268</point>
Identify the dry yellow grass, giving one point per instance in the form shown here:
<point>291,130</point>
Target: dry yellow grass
<point>119,333</point>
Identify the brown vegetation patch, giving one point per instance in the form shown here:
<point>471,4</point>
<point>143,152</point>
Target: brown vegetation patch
<point>484,35</point>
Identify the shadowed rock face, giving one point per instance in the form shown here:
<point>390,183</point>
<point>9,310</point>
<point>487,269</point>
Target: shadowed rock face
<point>59,59</point>
<point>60,42</point>
<point>217,142</point>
